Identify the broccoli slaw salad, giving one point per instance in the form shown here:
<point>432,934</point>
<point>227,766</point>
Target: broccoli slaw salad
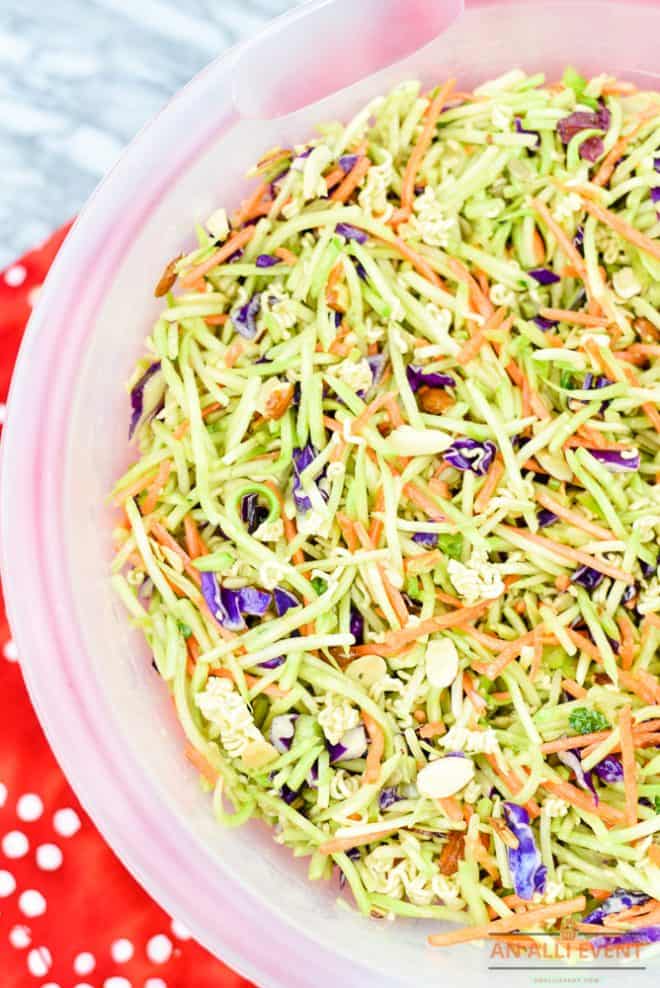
<point>392,532</point>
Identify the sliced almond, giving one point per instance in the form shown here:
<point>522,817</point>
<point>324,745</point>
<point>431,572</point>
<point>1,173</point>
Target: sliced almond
<point>278,402</point>
<point>452,853</point>
<point>258,753</point>
<point>445,776</point>
<point>367,670</point>
<point>434,400</point>
<point>419,442</point>
<point>441,662</point>
<point>167,278</point>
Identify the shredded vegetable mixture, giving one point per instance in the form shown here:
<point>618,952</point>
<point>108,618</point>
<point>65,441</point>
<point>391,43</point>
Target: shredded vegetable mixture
<point>392,535</point>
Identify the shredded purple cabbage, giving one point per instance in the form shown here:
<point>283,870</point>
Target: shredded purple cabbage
<point>546,518</point>
<point>137,397</point>
<point>572,760</point>
<point>521,130</point>
<point>349,232</point>
<point>428,539</point>
<point>544,276</point>
<point>302,457</point>
<point>388,797</point>
<point>610,769</point>
<point>592,149</point>
<point>544,324</point>
<point>223,603</point>
<point>649,569</point>
<point>273,663</point>
<point>253,601</point>
<point>646,934</point>
<point>587,577</point>
<point>419,378</point>
<point>352,745</point>
<point>656,164</point>
<point>619,900</point>
<point>618,461</point>
<point>356,625</point>
<point>267,261</point>
<point>282,730</point>
<point>347,162</point>
<point>284,600</point>
<point>581,120</point>
<point>289,795</point>
<point>655,194</point>
<point>245,318</point>
<point>252,513</point>
<point>527,870</point>
<point>578,239</point>
<point>376,363</point>
<point>469,454</point>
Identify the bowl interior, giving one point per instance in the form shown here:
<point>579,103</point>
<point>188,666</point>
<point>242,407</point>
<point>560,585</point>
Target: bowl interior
<point>105,710</point>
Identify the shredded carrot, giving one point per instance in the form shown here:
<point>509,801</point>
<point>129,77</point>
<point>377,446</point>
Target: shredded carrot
<point>163,537</point>
<point>508,654</point>
<point>202,764</point>
<point>583,801</point>
<point>219,320</point>
<point>418,497</point>
<point>479,299</point>
<point>250,206</point>
<point>286,255</point>
<point>573,689</point>
<point>361,420</point>
<point>194,542</point>
<point>451,808</point>
<point>600,894</point>
<point>397,640</point>
<point>574,555</point>
<point>489,486</point>
<point>654,855</point>
<point>423,562</point>
<point>235,242</point>
<point>234,352</point>
<point>625,230</point>
<point>420,264</point>
<point>422,145</point>
<point>575,518</point>
<point>649,408</point>
<point>434,729</point>
<point>642,683</point>
<point>377,524</point>
<point>577,318</point>
<point>506,924</point>
<point>566,245</point>
<point>340,844</point>
<point>534,400</point>
<point>182,429</point>
<point>629,766</point>
<point>136,487</point>
<point>513,783</point>
<point>350,183</point>
<point>347,531</point>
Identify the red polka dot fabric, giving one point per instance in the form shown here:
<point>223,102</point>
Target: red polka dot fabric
<point>70,914</point>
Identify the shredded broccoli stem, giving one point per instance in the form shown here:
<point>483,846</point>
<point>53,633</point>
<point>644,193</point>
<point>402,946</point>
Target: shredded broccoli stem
<point>396,499</point>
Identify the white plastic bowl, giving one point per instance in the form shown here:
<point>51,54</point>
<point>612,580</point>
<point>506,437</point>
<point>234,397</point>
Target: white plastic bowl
<point>104,711</point>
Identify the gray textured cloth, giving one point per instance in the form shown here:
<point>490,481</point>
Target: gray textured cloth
<point>78,78</point>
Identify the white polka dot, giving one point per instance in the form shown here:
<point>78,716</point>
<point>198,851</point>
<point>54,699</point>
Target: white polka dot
<point>117,983</point>
<point>159,949</point>
<point>32,903</point>
<point>7,884</point>
<point>20,937</point>
<point>66,822</point>
<point>83,984</point>
<point>51,984</point>
<point>39,961</point>
<point>49,857</point>
<point>84,963</point>
<point>10,651</point>
<point>122,951</point>
<point>15,275</point>
<point>29,807</point>
<point>154,983</point>
<point>3,794</point>
<point>15,844</point>
<point>180,931</point>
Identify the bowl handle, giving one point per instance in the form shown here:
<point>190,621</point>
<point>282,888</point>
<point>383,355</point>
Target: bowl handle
<point>327,45</point>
